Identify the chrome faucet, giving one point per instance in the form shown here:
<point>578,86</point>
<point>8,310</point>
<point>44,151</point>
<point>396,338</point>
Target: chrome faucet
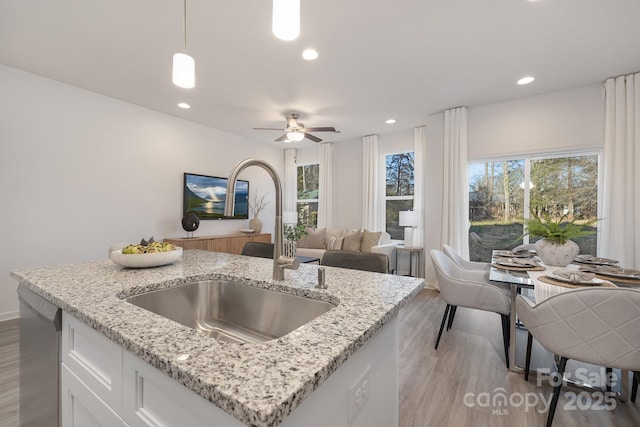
<point>280,262</point>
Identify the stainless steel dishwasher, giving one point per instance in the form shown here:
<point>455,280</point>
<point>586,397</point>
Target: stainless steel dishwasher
<point>40,333</point>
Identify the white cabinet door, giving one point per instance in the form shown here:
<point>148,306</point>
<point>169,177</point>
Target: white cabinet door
<point>81,407</point>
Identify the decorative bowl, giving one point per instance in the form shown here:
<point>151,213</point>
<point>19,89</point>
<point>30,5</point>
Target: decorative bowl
<point>154,259</point>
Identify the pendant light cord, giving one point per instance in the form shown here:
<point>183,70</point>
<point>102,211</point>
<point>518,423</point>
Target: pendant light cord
<point>184,25</point>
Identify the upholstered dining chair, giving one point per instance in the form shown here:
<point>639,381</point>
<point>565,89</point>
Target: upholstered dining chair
<point>463,263</point>
<point>367,261</point>
<point>593,325</point>
<point>471,289</point>
<point>258,249</point>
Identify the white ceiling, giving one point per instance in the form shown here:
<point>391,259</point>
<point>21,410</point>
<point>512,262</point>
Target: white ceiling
<point>379,59</point>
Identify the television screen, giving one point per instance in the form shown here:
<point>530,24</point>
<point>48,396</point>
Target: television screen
<point>205,197</point>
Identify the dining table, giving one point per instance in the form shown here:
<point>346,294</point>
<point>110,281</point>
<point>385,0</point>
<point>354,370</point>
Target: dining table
<point>524,270</point>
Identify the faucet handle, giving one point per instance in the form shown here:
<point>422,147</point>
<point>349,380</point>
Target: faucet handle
<point>290,263</point>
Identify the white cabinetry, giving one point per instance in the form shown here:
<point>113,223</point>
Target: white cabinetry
<point>104,385</point>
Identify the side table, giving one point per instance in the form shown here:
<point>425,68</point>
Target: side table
<point>418,251</point>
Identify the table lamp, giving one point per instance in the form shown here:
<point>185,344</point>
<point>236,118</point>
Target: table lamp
<point>408,220</point>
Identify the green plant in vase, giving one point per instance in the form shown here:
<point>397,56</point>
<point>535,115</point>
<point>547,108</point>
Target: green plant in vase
<point>556,246</point>
<point>295,232</point>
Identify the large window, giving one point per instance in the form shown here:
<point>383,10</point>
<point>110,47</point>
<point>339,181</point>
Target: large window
<point>308,189</point>
<point>398,190</point>
<point>503,193</point>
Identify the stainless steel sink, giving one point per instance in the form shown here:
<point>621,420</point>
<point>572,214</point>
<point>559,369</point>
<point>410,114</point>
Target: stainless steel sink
<point>232,311</point>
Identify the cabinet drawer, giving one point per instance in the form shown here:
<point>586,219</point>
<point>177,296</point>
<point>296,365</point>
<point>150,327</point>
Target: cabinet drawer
<point>81,407</point>
<point>95,359</point>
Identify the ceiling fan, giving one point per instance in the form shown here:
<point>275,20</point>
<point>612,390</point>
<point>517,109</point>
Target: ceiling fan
<point>296,131</point>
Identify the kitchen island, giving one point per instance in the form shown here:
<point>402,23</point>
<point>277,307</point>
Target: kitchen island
<point>255,384</point>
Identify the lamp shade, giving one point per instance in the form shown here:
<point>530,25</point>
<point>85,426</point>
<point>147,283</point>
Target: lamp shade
<point>408,219</point>
<point>290,217</point>
<point>286,19</point>
<point>184,71</point>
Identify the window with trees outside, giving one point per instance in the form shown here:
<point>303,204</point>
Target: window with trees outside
<point>504,193</point>
<point>308,190</point>
<point>398,190</point>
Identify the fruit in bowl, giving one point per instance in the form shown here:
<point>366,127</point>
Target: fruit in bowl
<point>146,254</point>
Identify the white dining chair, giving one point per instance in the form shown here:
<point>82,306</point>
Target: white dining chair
<point>471,289</point>
<point>593,325</point>
<point>463,263</point>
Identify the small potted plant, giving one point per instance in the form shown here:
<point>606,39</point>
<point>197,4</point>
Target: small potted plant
<point>555,246</point>
<point>292,234</point>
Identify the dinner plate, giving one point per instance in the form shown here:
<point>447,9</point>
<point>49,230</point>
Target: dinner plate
<point>590,282</point>
<point>154,259</point>
<point>510,254</point>
<point>622,273</point>
<point>514,263</point>
<point>588,259</point>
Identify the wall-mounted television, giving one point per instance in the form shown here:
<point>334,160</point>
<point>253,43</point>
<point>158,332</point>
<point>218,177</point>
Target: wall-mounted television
<point>205,196</point>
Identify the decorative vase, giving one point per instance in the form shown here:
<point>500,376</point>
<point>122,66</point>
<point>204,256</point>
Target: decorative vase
<point>289,248</point>
<point>255,224</point>
<point>555,254</point>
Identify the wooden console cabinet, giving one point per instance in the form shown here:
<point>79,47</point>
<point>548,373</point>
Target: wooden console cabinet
<point>229,243</point>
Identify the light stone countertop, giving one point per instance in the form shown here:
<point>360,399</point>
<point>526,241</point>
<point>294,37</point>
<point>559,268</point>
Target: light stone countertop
<point>259,384</point>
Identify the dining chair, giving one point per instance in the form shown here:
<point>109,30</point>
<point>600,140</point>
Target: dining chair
<point>470,289</point>
<point>367,261</point>
<point>463,263</point>
<point>258,249</point>
<point>592,325</point>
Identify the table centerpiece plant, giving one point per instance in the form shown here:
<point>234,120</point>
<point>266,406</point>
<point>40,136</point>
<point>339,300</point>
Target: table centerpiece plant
<point>556,247</point>
<point>292,233</point>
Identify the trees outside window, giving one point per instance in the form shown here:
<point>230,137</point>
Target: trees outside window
<point>502,194</point>
<point>399,183</point>
<point>308,190</point>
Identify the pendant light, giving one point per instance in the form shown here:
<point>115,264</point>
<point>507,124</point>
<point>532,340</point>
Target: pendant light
<point>184,67</point>
<point>286,19</point>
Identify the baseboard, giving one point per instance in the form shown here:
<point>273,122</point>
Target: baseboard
<point>9,315</point>
<point>432,286</point>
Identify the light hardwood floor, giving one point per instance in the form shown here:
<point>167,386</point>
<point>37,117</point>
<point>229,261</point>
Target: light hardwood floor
<point>433,384</point>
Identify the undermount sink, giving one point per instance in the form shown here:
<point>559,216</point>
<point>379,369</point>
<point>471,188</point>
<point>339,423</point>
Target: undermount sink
<point>232,311</point>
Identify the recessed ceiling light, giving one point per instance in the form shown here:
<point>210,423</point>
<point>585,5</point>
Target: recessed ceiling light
<point>390,121</point>
<point>310,54</point>
<point>184,105</point>
<point>525,80</point>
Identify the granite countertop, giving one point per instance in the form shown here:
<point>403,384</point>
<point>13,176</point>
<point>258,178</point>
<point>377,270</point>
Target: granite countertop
<point>259,384</point>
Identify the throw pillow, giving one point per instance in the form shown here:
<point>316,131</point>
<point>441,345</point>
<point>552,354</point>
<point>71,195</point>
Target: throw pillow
<point>337,245</point>
<point>369,239</point>
<point>352,241</point>
<point>331,243</point>
<point>315,238</point>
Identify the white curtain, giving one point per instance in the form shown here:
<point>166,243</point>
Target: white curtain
<point>455,194</point>
<point>419,149</point>
<point>372,200</point>
<point>290,195</point>
<point>325,187</point>
<point>620,224</point>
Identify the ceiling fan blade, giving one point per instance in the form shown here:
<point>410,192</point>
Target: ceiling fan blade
<point>322,129</point>
<point>312,137</point>
<point>282,138</point>
<point>268,129</point>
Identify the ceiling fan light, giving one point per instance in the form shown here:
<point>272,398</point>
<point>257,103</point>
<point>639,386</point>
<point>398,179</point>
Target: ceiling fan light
<point>286,19</point>
<point>295,136</point>
<point>184,71</point>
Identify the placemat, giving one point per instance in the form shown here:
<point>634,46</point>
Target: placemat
<point>551,281</point>
<point>505,267</point>
<point>618,279</point>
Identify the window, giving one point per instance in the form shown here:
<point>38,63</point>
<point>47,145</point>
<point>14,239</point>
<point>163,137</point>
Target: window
<point>503,193</point>
<point>308,189</point>
<point>398,190</point>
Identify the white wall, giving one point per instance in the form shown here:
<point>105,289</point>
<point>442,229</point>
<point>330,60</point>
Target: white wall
<point>80,171</point>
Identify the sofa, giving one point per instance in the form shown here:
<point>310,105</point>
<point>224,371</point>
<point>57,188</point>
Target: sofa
<point>318,240</point>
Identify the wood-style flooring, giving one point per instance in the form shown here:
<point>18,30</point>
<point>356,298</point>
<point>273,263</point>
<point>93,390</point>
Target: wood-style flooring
<point>434,384</point>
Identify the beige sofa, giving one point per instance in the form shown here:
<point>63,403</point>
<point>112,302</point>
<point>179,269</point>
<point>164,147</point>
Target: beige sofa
<point>317,241</point>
